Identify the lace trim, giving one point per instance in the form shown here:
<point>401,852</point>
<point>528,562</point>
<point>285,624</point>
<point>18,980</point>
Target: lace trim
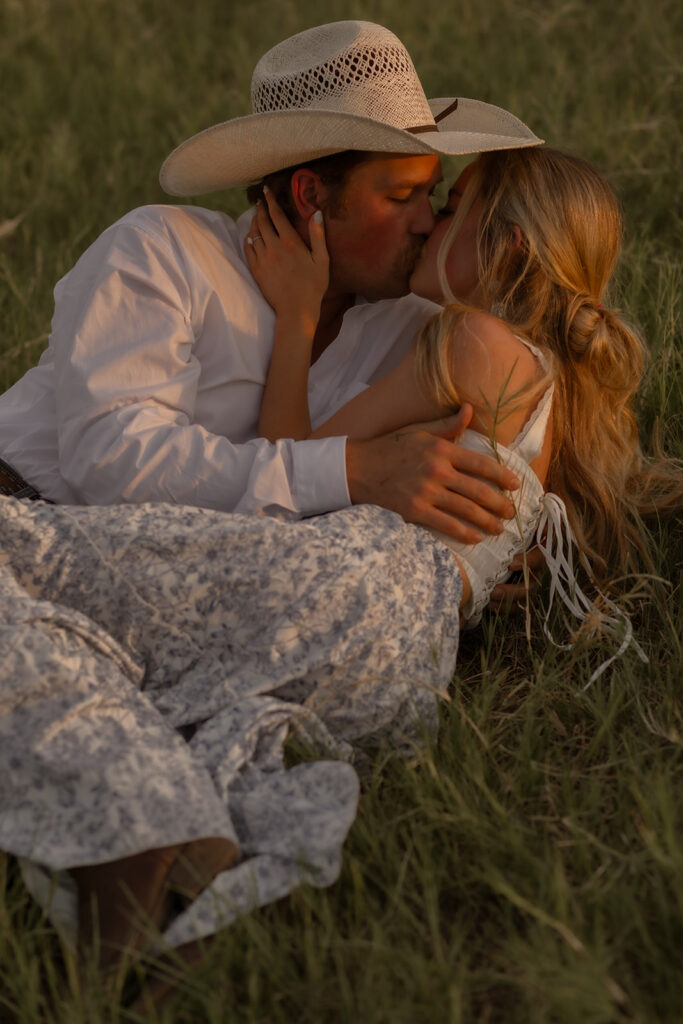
<point>473,610</point>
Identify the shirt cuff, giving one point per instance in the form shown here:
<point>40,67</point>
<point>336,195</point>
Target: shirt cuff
<point>320,475</point>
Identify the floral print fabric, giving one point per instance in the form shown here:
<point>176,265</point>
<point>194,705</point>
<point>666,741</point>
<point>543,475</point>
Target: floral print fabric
<point>154,659</point>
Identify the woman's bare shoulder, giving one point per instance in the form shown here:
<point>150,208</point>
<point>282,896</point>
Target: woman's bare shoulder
<point>484,340</point>
<point>496,372</point>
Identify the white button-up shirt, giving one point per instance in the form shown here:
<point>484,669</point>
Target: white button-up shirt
<point>151,386</point>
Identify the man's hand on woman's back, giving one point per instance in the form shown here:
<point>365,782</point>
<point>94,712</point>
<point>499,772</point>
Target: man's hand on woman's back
<point>423,474</point>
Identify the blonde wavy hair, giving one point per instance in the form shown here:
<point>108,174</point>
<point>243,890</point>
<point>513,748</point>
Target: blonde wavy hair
<point>548,241</point>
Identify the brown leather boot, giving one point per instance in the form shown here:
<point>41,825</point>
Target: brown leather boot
<point>119,902</point>
<point>198,863</point>
<point>169,972</point>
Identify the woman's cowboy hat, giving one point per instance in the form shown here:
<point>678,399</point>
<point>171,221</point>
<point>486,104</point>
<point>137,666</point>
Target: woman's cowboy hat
<point>348,85</point>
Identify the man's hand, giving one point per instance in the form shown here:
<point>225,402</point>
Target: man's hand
<point>423,475</point>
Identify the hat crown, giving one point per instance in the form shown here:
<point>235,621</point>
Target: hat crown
<point>352,67</point>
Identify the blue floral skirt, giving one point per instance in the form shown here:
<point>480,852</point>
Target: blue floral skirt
<point>153,660</point>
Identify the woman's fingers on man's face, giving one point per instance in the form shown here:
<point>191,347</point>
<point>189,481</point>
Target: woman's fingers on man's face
<point>266,230</point>
<point>278,218</point>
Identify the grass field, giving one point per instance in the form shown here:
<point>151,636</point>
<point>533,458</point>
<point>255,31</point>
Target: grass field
<point>530,868</point>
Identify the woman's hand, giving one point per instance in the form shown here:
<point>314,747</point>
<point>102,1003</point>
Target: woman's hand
<point>292,277</point>
<point>513,596</point>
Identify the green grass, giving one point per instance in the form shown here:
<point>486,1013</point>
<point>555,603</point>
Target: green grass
<point>530,867</point>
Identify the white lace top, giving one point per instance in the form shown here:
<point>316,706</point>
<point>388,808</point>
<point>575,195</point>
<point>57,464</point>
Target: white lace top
<point>486,563</point>
<point>540,516</point>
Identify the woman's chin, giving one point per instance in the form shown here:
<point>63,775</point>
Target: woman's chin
<point>425,289</point>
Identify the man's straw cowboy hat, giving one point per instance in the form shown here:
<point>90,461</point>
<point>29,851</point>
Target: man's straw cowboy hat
<point>348,85</point>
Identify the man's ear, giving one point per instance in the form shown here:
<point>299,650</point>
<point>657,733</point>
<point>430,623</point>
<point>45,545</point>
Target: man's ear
<point>307,192</point>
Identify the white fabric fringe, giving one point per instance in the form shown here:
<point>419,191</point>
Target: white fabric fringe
<point>555,538</point>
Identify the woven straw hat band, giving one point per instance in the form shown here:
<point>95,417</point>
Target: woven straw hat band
<point>360,69</point>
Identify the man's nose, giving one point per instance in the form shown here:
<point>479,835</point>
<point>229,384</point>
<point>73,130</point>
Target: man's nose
<point>424,220</point>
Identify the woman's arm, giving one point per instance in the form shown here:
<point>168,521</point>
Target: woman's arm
<point>490,368</point>
<point>293,279</point>
<point>394,401</point>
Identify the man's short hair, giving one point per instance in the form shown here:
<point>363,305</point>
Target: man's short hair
<point>333,171</point>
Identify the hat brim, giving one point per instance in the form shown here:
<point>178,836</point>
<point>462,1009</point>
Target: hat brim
<point>246,149</point>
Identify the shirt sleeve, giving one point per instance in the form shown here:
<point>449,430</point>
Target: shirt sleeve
<point>126,379</point>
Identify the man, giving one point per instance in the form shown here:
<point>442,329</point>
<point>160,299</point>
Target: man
<point>151,385</point>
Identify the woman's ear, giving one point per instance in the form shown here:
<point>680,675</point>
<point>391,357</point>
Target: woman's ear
<point>307,191</point>
<point>516,236</point>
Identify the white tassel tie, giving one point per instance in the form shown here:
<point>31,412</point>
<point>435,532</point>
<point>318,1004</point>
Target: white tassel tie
<point>556,540</point>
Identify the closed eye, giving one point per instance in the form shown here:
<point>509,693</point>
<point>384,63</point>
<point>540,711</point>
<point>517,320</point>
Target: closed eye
<point>452,203</point>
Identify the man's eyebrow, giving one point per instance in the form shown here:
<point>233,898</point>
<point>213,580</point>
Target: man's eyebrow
<point>410,183</point>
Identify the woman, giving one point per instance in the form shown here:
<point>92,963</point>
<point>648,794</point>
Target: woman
<point>155,657</point>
